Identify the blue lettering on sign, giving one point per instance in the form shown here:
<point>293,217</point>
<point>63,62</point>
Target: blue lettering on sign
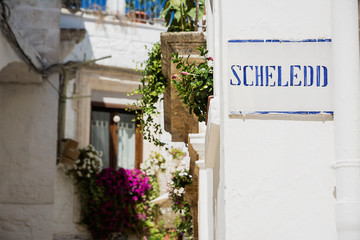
<point>259,75</point>
<point>235,75</point>
<point>294,75</point>
<point>319,75</point>
<point>269,76</point>
<point>245,75</point>
<point>311,76</point>
<point>279,75</point>
<point>272,76</point>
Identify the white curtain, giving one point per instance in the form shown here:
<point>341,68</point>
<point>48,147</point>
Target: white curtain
<point>126,145</point>
<point>100,134</point>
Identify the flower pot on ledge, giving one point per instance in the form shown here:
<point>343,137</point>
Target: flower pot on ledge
<point>178,121</point>
<point>141,17</point>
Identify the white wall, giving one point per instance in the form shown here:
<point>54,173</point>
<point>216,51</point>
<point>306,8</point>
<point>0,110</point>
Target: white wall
<point>124,41</point>
<point>28,124</point>
<point>275,176</point>
<point>27,160</point>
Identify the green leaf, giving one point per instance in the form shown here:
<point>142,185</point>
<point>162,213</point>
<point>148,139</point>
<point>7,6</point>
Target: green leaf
<point>192,13</point>
<point>177,15</point>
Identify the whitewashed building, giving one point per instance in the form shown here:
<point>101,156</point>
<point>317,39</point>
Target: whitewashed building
<point>280,158</point>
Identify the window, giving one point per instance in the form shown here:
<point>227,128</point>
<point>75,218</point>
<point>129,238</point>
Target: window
<point>113,131</point>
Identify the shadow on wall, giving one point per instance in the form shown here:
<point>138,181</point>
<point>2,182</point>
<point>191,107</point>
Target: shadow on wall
<point>75,41</point>
<point>19,72</point>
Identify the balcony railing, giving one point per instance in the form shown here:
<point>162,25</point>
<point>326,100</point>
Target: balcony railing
<point>135,10</point>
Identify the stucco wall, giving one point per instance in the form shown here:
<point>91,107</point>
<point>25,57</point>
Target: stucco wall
<point>275,176</point>
<point>28,123</point>
<point>28,158</point>
<point>38,22</point>
<point>124,41</point>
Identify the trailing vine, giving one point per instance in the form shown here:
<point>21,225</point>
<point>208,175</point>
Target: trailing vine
<point>152,87</point>
<point>194,83</point>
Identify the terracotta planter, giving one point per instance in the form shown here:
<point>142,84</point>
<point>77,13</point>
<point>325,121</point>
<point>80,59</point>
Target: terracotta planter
<point>141,17</point>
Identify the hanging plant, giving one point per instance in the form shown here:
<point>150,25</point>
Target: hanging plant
<point>152,87</point>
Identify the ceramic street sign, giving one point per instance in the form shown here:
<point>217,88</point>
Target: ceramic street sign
<point>279,76</point>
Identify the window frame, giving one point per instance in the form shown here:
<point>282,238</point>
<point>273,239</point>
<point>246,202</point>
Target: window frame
<point>112,108</point>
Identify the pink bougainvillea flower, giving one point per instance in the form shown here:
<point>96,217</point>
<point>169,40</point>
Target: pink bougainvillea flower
<point>211,59</point>
<point>174,76</point>
<point>185,73</point>
<point>125,189</point>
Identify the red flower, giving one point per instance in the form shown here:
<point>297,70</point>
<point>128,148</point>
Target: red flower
<point>211,59</point>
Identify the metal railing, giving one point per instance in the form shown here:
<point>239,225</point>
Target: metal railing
<point>97,5</point>
<point>135,10</point>
<point>145,9</point>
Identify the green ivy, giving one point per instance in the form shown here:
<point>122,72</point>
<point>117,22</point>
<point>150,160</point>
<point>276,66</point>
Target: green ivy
<point>180,15</point>
<point>152,87</point>
<point>194,84</point>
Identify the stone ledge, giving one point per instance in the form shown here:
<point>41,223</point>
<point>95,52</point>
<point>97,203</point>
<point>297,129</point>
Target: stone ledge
<point>185,43</point>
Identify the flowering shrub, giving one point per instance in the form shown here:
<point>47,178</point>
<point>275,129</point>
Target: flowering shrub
<point>118,203</point>
<point>113,202</point>
<point>176,190</point>
<point>180,179</point>
<point>88,164</point>
<point>195,83</point>
<point>156,162</point>
<point>176,153</point>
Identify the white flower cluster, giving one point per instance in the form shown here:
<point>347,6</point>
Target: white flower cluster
<point>182,168</point>
<point>179,191</point>
<point>184,172</point>
<point>89,162</point>
<point>172,188</point>
<point>156,162</point>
